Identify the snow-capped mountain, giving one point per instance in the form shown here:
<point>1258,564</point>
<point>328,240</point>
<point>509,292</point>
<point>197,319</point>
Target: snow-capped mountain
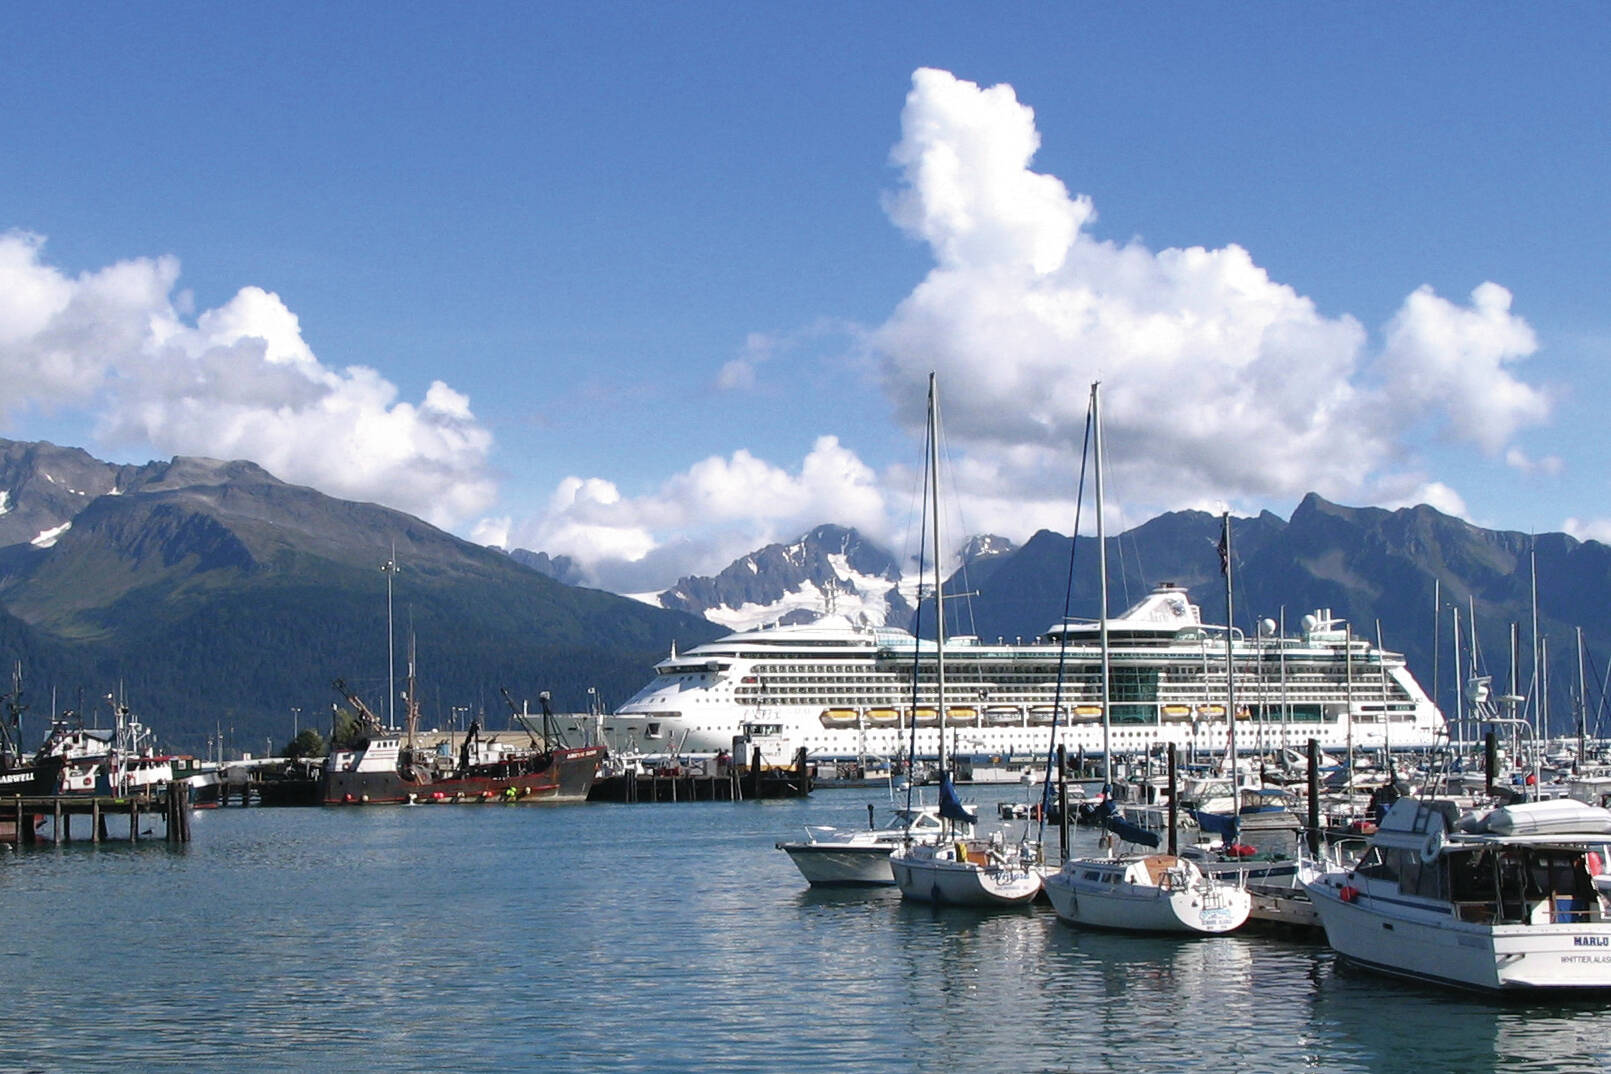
<point>832,569</point>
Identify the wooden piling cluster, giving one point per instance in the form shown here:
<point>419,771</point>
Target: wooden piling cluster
<point>19,815</point>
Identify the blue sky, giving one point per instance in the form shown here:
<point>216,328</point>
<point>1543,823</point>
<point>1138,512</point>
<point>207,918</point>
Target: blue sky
<point>653,284</point>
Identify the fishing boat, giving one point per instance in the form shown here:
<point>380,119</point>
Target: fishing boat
<point>859,857</point>
<point>385,767</point>
<point>1514,899</point>
<point>966,870</point>
<point>22,774</point>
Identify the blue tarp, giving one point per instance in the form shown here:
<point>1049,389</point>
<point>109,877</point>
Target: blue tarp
<point>951,807</point>
<point>1220,824</point>
<point>1131,833</point>
<point>1096,814</point>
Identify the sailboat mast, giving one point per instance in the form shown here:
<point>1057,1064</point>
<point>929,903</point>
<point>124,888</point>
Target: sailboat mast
<point>939,591</point>
<point>1230,655</point>
<point>1582,706</point>
<point>1387,717</point>
<point>1539,730</point>
<point>1437,621</point>
<point>1459,686</point>
<point>1102,591</point>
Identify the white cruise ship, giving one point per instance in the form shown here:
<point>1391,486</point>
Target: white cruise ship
<point>845,692</point>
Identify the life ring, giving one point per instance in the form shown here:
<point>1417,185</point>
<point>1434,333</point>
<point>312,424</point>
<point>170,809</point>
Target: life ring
<point>1430,848</point>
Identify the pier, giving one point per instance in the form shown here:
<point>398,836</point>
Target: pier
<point>20,816</point>
<point>706,782</point>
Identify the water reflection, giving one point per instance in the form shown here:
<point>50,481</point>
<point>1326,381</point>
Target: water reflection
<point>667,937</point>
<point>1405,1027</point>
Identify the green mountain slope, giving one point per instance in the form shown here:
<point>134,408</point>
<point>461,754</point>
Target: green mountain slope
<point>217,599</point>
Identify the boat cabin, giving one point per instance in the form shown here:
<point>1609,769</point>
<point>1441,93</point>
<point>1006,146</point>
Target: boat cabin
<point>1520,864</point>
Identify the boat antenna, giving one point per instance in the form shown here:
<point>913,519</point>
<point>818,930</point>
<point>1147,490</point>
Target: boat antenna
<point>389,568</point>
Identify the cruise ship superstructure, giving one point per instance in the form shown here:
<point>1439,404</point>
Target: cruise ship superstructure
<point>847,692</point>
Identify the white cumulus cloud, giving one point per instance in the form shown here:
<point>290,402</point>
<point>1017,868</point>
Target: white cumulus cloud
<point>701,519</point>
<point>1589,529</point>
<point>1218,381</point>
<point>237,381</point>
<point>1455,361</point>
<point>1220,384</point>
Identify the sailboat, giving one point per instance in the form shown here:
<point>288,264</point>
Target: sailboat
<point>1137,892</point>
<point>965,871</point>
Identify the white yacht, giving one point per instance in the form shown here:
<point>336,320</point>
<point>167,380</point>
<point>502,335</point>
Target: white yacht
<point>839,857</point>
<point>844,692</point>
<point>1514,899</point>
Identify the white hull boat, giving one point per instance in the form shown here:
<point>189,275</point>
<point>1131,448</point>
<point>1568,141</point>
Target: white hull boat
<point>1516,899</point>
<point>968,872</point>
<point>837,857</point>
<point>1146,893</point>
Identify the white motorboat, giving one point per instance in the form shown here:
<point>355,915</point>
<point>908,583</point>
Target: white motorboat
<point>1146,893</point>
<point>853,857</point>
<point>969,872</point>
<point>1514,899</point>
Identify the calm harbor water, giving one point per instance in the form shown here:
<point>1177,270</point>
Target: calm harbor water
<point>657,937</point>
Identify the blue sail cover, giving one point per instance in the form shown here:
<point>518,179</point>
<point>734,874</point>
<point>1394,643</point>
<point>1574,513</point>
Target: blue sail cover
<point>951,807</point>
<point>1220,824</point>
<point>1130,833</point>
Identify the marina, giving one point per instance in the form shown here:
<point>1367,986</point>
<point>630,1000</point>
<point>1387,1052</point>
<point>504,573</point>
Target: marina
<point>422,938</point>
<point>481,441</point>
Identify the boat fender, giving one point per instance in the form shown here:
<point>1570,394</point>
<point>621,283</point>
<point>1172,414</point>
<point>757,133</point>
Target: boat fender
<point>1430,848</point>
<point>1348,893</point>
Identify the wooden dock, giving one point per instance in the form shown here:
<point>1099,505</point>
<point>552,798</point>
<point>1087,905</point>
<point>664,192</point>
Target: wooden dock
<point>730,783</point>
<point>20,816</point>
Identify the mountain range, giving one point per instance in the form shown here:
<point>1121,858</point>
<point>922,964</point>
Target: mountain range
<point>1395,575</point>
<point>220,602</point>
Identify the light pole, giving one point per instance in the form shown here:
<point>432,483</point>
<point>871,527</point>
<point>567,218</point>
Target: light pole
<point>390,568</point>
<point>296,719</point>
